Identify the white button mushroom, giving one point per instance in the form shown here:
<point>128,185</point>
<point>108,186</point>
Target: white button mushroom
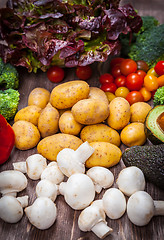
<point>42,213</point>
<point>141,208</point>
<point>70,161</point>
<point>78,191</point>
<point>101,177</point>
<point>131,180</point>
<point>12,181</point>
<point>52,173</point>
<point>114,203</point>
<point>11,210</point>
<point>92,219</point>
<point>33,166</point>
<point>45,188</point>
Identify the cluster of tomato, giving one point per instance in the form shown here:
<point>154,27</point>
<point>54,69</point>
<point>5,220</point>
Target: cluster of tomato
<point>132,80</point>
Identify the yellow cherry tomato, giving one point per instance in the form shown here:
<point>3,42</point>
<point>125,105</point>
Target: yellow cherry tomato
<point>110,96</point>
<point>160,81</point>
<point>121,92</point>
<point>145,93</point>
<point>152,72</point>
<point>150,82</point>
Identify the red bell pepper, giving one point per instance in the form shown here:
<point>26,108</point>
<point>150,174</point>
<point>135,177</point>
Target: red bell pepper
<point>7,139</point>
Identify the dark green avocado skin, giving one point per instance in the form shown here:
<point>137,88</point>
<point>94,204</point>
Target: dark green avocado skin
<point>150,159</point>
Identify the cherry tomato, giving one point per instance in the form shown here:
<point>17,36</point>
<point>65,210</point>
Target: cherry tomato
<point>120,81</point>
<point>109,87</point>
<point>152,94</point>
<point>142,65</point>
<point>84,72</point>
<point>159,68</point>
<point>152,72</point>
<point>141,73</point>
<point>121,92</point>
<point>160,81</point>
<point>106,78</point>
<point>55,74</point>
<point>116,61</point>
<point>115,71</point>
<point>134,97</point>
<point>134,82</point>
<point>128,66</point>
<point>150,82</point>
<point>110,96</point>
<point>145,93</point>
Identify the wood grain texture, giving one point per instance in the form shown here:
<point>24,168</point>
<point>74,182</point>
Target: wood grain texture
<point>65,227</point>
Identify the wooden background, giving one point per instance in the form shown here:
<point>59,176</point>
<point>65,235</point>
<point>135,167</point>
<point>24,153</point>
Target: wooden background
<point>65,227</point>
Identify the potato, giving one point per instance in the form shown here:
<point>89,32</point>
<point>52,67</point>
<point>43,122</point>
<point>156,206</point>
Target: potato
<point>119,113</point>
<point>90,111</point>
<point>68,124</point>
<point>48,122</point>
<point>29,114</point>
<point>50,146</point>
<point>133,134</point>
<point>97,93</point>
<point>139,111</point>
<point>105,155</point>
<point>39,97</point>
<point>100,133</point>
<point>67,94</point>
<point>27,135</point>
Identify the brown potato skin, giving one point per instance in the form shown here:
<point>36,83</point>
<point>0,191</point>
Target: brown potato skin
<point>139,111</point>
<point>65,95</point>
<point>29,114</point>
<point>50,146</point>
<point>39,97</point>
<point>98,94</point>
<point>27,135</point>
<point>100,133</point>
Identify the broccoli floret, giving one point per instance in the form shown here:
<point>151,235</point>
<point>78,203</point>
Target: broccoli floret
<point>149,46</point>
<point>148,22</point>
<point>1,65</point>
<point>159,97</point>
<point>9,100</point>
<point>9,77</point>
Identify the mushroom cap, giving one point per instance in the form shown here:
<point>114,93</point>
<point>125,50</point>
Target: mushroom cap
<point>11,210</point>
<point>131,180</point>
<point>101,177</point>
<point>45,188</point>
<point>12,181</point>
<point>114,203</point>
<point>35,164</point>
<point>89,217</point>
<point>52,173</point>
<point>140,208</point>
<point>42,213</point>
<point>78,191</point>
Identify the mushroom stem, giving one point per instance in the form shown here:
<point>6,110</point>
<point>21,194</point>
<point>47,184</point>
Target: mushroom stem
<point>158,208</point>
<point>23,201</point>
<point>101,230</point>
<point>20,166</point>
<point>83,152</point>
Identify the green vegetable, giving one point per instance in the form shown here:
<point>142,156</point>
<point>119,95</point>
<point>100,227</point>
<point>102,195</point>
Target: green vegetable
<point>147,44</point>
<point>9,100</point>
<point>9,76</point>
<point>159,97</point>
<point>149,159</point>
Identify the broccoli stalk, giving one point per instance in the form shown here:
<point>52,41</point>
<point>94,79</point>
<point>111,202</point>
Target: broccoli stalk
<point>159,97</point>
<point>9,100</point>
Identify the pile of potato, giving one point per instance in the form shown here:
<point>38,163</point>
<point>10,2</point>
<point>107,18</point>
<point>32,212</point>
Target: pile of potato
<point>74,113</point>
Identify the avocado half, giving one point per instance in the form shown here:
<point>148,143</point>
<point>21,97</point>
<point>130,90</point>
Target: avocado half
<point>154,125</point>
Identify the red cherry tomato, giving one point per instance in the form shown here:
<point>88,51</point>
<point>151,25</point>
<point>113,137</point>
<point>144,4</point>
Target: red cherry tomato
<point>55,74</point>
<point>108,87</point>
<point>120,81</point>
<point>134,82</point>
<point>84,72</point>
<point>159,68</point>
<point>141,73</point>
<point>128,66</point>
<point>134,97</point>
<point>116,61</point>
<point>106,78</point>
<point>115,71</point>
